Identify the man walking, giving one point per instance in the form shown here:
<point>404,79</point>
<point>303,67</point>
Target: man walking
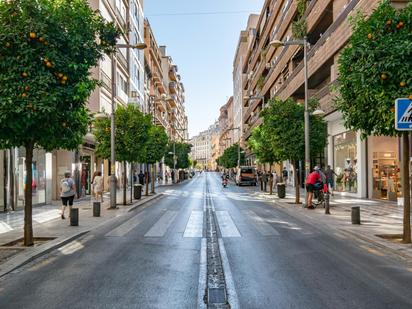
<point>141,178</point>
<point>285,175</point>
<point>330,181</point>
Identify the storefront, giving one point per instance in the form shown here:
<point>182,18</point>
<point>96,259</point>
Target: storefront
<point>347,155</point>
<point>384,173</point>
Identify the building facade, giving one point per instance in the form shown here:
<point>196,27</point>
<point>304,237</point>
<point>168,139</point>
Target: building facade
<point>365,168</point>
<point>205,147</point>
<point>226,127</point>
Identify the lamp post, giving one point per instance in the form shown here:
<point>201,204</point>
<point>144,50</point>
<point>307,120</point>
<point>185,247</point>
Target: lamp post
<point>113,126</point>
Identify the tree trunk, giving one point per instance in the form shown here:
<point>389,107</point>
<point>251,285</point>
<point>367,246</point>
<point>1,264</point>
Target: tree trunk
<point>28,224</point>
<point>124,182</point>
<point>12,177</point>
<point>406,190</point>
<point>153,178</point>
<point>270,180</point>
<point>147,180</point>
<point>5,180</point>
<point>297,185</point>
<point>131,183</point>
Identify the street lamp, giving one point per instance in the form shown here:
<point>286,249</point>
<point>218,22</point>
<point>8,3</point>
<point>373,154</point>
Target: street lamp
<point>305,44</point>
<point>112,123</point>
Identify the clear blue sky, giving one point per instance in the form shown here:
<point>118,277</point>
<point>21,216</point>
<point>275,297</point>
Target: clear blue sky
<point>203,47</point>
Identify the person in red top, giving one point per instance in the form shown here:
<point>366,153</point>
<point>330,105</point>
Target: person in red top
<point>311,180</point>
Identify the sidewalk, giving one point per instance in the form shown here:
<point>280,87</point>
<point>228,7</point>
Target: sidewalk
<point>377,218</point>
<point>47,223</point>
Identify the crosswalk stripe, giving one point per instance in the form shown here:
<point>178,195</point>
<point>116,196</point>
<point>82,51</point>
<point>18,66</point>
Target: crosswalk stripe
<point>226,224</point>
<point>194,227</point>
<point>162,225</point>
<point>264,228</point>
<point>4,227</point>
<point>127,226</point>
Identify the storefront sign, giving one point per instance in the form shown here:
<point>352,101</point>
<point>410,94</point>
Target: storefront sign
<point>403,114</point>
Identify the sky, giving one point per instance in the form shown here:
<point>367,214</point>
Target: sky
<point>203,47</point>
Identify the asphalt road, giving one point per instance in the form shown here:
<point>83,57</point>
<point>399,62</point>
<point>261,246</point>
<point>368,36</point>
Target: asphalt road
<point>152,259</point>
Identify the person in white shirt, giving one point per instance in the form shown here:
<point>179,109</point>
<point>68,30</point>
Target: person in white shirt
<point>98,186</point>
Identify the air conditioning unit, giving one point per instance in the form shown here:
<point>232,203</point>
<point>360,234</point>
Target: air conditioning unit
<point>133,94</point>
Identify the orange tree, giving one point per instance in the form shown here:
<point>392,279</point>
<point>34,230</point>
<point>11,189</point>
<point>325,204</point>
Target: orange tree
<point>47,49</point>
<point>375,69</point>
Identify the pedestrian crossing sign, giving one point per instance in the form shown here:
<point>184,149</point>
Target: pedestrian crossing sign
<point>403,114</point>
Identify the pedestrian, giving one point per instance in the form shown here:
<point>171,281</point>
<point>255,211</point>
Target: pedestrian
<point>67,192</point>
<point>275,180</point>
<point>173,176</point>
<point>141,178</point>
<point>98,186</point>
<point>285,175</point>
<point>167,177</point>
<point>312,180</point>
<point>330,179</point>
<point>264,180</point>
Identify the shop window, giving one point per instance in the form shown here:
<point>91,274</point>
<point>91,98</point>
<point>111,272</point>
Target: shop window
<point>345,162</point>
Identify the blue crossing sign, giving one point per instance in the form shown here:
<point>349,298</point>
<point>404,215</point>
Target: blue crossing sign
<point>403,114</point>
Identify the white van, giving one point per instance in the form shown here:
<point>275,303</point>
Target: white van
<point>246,175</point>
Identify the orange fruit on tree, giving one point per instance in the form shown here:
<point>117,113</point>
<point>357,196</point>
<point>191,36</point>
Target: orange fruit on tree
<point>49,64</point>
<point>64,77</point>
<point>32,35</point>
<point>410,97</point>
<point>393,109</point>
<point>46,43</point>
<point>24,74</point>
<point>370,36</point>
<point>41,40</point>
<point>27,88</point>
<point>384,76</point>
<point>63,124</point>
<point>60,75</point>
<point>389,22</point>
<point>23,95</point>
<point>8,44</point>
<point>63,82</point>
<point>402,84</point>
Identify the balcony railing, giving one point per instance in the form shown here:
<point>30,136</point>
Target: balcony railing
<point>121,58</point>
<point>173,73</point>
<point>173,87</point>
<point>106,80</point>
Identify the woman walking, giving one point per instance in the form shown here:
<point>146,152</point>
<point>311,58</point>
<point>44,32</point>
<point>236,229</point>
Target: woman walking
<point>98,186</point>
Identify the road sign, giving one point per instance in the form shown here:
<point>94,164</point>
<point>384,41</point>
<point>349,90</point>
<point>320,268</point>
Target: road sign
<point>403,114</point>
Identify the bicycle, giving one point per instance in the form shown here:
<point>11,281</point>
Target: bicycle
<point>319,198</point>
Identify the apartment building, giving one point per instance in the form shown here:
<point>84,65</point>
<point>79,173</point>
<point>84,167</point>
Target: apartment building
<point>205,147</point>
<point>226,127</point>
<point>245,39</point>
<point>175,99</point>
<point>49,168</point>
<point>365,168</point>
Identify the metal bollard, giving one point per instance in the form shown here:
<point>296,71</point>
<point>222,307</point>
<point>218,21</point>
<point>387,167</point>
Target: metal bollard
<point>355,214</point>
<point>74,216</point>
<point>96,209</point>
<point>327,206</point>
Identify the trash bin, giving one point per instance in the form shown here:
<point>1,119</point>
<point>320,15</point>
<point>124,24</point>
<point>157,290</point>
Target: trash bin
<point>355,215</point>
<point>96,209</point>
<point>281,190</point>
<point>137,192</point>
<point>74,216</point>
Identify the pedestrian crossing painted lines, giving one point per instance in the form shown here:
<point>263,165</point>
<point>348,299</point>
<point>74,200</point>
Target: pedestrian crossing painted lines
<point>127,226</point>
<point>4,227</point>
<point>226,224</point>
<point>161,226</point>
<point>264,228</point>
<point>194,227</point>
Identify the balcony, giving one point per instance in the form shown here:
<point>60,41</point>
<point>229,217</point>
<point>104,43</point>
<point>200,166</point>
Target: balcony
<point>106,81</point>
<point>121,59</point>
<point>173,101</point>
<point>173,73</point>
<point>173,87</point>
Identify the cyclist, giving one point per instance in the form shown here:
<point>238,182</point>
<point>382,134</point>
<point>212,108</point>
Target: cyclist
<point>313,183</point>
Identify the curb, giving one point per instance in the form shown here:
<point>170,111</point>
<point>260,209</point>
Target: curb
<point>26,257</point>
<point>146,200</point>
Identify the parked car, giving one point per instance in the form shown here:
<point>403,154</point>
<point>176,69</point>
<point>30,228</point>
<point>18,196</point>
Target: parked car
<point>246,175</point>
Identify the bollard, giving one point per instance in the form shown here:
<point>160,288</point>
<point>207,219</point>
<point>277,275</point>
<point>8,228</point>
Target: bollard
<point>327,207</point>
<point>96,209</point>
<point>356,215</point>
<point>74,216</point>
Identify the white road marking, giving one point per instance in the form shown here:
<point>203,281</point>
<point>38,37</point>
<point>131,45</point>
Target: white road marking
<point>4,227</point>
<point>230,284</point>
<point>161,226</point>
<point>127,226</point>
<point>264,228</point>
<point>194,227</point>
<point>202,275</point>
<point>226,224</point>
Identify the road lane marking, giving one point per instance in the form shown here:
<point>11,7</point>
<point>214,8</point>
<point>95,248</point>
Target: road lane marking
<point>161,226</point>
<point>127,226</point>
<point>230,283</point>
<point>4,227</point>
<point>202,275</point>
<point>264,228</point>
<point>226,224</point>
<point>194,227</point>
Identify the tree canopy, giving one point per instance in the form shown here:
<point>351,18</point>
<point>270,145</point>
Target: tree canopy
<point>260,146</point>
<point>182,155</point>
<point>132,134</point>
<point>375,69</point>
<point>230,156</point>
<point>155,146</point>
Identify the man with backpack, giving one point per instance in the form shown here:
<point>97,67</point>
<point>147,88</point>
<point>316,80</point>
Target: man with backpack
<point>67,192</point>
